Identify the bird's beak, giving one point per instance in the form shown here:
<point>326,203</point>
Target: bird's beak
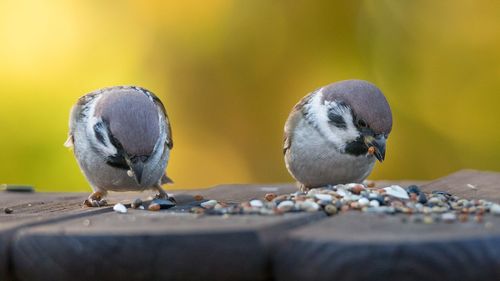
<point>378,144</point>
<point>137,167</point>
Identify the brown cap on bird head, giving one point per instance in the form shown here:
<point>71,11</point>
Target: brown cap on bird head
<point>366,101</point>
<point>132,119</point>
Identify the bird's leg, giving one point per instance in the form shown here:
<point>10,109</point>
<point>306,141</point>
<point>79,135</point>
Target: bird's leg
<point>96,199</point>
<point>302,187</point>
<point>162,194</point>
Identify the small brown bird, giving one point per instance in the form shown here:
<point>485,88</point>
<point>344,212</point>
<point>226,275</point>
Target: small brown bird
<point>335,134</point>
<point>122,140</point>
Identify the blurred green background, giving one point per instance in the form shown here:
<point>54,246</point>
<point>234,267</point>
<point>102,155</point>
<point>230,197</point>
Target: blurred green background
<point>230,71</point>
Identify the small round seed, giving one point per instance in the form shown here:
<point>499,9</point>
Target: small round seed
<point>324,197</point>
<point>256,203</point>
<point>210,204</point>
<point>154,207</point>
<point>120,208</point>
<point>330,209</point>
<point>371,150</point>
<point>137,202</point>
<point>270,196</point>
<point>357,189</point>
<point>449,217</point>
<point>285,206</point>
<point>363,202</point>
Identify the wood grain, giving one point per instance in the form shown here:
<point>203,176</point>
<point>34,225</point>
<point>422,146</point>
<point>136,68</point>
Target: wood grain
<point>361,246</point>
<point>142,245</point>
<point>166,245</point>
<point>33,209</point>
<point>487,185</point>
<point>51,237</point>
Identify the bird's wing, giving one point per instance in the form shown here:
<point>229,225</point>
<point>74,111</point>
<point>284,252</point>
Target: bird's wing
<point>72,123</point>
<point>168,129</point>
<point>293,120</point>
<point>165,179</point>
<point>170,141</point>
<point>70,141</point>
<point>289,127</point>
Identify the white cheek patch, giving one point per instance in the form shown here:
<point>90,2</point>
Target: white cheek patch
<point>107,148</point>
<point>319,109</point>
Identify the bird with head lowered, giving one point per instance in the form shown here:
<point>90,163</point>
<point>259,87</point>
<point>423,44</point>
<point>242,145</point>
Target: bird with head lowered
<point>121,138</point>
<point>335,134</point>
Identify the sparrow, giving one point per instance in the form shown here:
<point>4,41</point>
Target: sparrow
<point>121,138</point>
<point>335,134</point>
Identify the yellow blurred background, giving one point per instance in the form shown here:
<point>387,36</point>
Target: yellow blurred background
<point>230,71</point>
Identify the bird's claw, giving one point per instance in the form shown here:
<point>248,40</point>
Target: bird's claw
<point>95,200</point>
<point>303,188</point>
<point>163,195</point>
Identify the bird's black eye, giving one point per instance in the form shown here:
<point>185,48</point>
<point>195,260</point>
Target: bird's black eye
<point>337,120</point>
<point>362,123</point>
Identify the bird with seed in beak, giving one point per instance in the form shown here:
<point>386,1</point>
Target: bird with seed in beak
<point>121,138</point>
<point>335,134</point>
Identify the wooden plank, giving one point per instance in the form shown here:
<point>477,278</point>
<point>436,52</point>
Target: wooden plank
<point>359,246</point>
<point>31,209</point>
<point>362,246</point>
<point>487,185</point>
<point>39,205</point>
<point>143,245</point>
<point>224,243</point>
<point>165,245</point>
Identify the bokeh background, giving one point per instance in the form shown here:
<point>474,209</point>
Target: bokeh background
<point>230,71</point>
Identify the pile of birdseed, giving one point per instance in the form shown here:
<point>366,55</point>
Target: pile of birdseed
<point>419,206</point>
<point>155,204</point>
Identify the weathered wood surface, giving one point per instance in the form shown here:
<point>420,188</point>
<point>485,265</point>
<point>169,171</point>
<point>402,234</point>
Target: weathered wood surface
<point>151,246</point>
<point>31,209</point>
<point>51,237</point>
<point>357,246</point>
<point>89,243</point>
<point>487,185</point>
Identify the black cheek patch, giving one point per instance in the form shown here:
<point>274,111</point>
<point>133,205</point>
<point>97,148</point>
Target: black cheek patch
<point>356,147</point>
<point>98,129</point>
<point>337,120</point>
<point>117,161</point>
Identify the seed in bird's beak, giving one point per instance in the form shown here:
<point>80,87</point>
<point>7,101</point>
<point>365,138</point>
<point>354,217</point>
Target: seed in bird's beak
<point>130,173</point>
<point>371,150</point>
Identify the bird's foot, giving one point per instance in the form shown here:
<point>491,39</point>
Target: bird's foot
<point>303,188</point>
<point>163,195</point>
<point>95,200</point>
